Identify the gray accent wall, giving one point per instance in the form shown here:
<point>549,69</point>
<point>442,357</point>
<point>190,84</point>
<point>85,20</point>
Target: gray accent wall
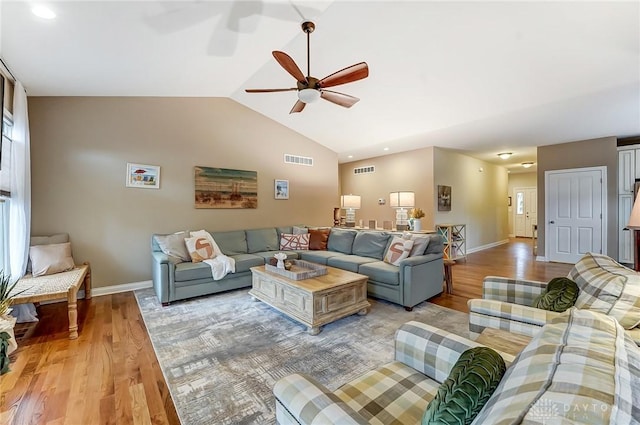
<point>587,153</point>
<point>80,147</point>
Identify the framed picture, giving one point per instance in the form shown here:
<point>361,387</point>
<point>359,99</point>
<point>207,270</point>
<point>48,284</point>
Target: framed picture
<point>219,188</point>
<point>143,176</point>
<point>509,201</point>
<point>281,189</point>
<point>444,198</point>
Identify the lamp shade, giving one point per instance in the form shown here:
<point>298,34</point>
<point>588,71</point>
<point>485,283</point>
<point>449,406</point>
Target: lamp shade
<point>350,201</point>
<point>634,219</point>
<point>402,199</point>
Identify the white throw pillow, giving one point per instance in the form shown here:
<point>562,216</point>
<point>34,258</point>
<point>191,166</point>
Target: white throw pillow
<point>50,259</point>
<point>398,250</point>
<point>174,245</point>
<point>199,249</point>
<point>289,242</point>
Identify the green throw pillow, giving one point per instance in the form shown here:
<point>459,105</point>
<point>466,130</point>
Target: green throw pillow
<point>561,293</point>
<point>469,385</point>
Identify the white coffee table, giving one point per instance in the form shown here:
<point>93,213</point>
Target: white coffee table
<point>315,301</point>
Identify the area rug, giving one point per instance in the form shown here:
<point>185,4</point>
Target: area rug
<point>222,354</point>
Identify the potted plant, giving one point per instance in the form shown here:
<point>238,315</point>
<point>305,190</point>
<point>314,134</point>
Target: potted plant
<point>7,337</point>
<point>416,214</point>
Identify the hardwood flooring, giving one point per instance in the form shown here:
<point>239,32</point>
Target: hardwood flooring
<point>110,374</point>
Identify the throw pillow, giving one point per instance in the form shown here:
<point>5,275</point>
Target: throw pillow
<point>299,230</point>
<point>398,250</point>
<point>199,249</point>
<point>50,259</point>
<point>560,294</point>
<point>469,385</point>
<point>318,239</point>
<point>420,243</point>
<point>289,242</point>
<point>174,245</point>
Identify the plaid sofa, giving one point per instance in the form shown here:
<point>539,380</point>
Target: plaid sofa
<point>581,368</point>
<point>605,286</point>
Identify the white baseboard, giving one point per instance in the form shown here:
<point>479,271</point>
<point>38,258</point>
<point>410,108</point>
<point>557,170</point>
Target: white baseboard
<point>116,289</point>
<point>491,245</point>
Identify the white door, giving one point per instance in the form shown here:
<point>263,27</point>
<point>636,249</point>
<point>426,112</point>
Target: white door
<point>625,237</point>
<point>575,213</point>
<point>526,211</point>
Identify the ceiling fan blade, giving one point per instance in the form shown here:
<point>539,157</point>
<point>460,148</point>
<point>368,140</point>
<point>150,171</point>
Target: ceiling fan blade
<point>290,66</point>
<point>268,90</point>
<point>347,75</point>
<point>298,107</point>
<point>339,98</point>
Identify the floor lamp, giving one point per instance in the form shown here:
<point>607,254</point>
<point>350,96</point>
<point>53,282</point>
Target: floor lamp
<point>634,224</point>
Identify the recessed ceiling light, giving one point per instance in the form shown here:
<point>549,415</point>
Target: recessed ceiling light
<point>43,11</point>
<point>385,149</point>
<point>350,156</point>
<point>505,155</point>
<point>527,164</point>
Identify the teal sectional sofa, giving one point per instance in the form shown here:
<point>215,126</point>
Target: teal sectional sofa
<point>416,279</point>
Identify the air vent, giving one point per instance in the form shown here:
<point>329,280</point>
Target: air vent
<point>365,170</point>
<point>298,160</point>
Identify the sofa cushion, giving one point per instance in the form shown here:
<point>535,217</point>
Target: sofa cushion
<point>318,239</point>
<point>349,262</point>
<point>262,240</point>
<point>244,262</point>
<point>560,294</point>
<point>393,393</point>
<point>577,368</point>
<point>608,287</point>
<point>370,244</point>
<point>471,382</point>
<point>420,243</point>
<point>192,271</point>
<point>319,257</point>
<point>382,272</point>
<point>341,240</point>
<point>398,250</point>
<point>231,243</point>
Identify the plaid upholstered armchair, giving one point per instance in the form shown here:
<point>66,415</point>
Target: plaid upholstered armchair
<point>605,286</point>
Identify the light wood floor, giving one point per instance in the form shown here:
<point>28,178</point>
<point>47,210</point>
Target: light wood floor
<point>110,374</point>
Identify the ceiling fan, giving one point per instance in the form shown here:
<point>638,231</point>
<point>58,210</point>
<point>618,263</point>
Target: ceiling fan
<point>310,88</point>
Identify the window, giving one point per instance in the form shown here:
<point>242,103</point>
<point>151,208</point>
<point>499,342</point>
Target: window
<point>520,203</point>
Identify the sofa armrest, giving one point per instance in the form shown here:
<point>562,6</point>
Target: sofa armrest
<point>420,259</point>
<point>301,399</point>
<point>163,271</point>
<point>432,351</point>
<point>515,291</point>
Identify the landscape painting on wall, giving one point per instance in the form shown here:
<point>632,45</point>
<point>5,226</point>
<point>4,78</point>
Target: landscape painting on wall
<point>225,188</point>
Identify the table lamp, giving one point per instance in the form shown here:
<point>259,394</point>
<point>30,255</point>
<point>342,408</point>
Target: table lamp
<point>400,201</point>
<point>350,203</point>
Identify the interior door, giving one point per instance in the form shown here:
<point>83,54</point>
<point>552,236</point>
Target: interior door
<point>526,211</point>
<point>575,202</point>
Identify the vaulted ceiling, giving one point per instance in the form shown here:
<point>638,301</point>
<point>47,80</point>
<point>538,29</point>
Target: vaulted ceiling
<point>479,77</point>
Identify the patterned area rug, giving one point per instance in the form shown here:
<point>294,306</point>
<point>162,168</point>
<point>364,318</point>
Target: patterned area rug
<point>222,354</point>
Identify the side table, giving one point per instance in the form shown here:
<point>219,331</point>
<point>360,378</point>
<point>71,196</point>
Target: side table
<point>448,275</point>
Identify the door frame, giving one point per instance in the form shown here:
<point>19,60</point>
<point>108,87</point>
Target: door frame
<point>605,213</point>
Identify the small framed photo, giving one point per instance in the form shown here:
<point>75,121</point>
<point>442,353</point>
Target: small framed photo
<point>281,189</point>
<point>143,176</point>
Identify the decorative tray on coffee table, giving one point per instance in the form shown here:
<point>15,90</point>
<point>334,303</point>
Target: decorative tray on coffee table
<point>300,270</point>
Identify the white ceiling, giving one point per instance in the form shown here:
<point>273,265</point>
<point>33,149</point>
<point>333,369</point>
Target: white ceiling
<point>479,77</point>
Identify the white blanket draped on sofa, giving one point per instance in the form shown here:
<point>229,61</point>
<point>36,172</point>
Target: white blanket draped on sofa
<point>221,265</point>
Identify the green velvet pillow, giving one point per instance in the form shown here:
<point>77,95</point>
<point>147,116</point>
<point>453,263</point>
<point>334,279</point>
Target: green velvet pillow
<point>469,385</point>
<point>561,293</point>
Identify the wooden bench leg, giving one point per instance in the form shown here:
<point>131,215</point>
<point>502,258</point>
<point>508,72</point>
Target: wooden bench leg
<point>72,300</point>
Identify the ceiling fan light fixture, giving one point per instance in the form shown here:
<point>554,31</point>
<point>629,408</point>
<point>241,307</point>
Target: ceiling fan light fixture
<point>308,95</point>
<point>505,155</point>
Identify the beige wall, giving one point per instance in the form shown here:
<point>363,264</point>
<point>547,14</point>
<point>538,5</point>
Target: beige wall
<point>518,180</point>
<point>410,171</point>
<point>581,154</point>
<point>80,148</point>
<point>478,198</point>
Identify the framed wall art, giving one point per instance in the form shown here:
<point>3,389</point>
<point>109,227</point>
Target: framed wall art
<point>444,198</point>
<point>225,188</point>
<point>281,189</point>
<point>143,176</point>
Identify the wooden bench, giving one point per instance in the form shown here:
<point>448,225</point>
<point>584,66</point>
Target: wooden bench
<point>55,287</point>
